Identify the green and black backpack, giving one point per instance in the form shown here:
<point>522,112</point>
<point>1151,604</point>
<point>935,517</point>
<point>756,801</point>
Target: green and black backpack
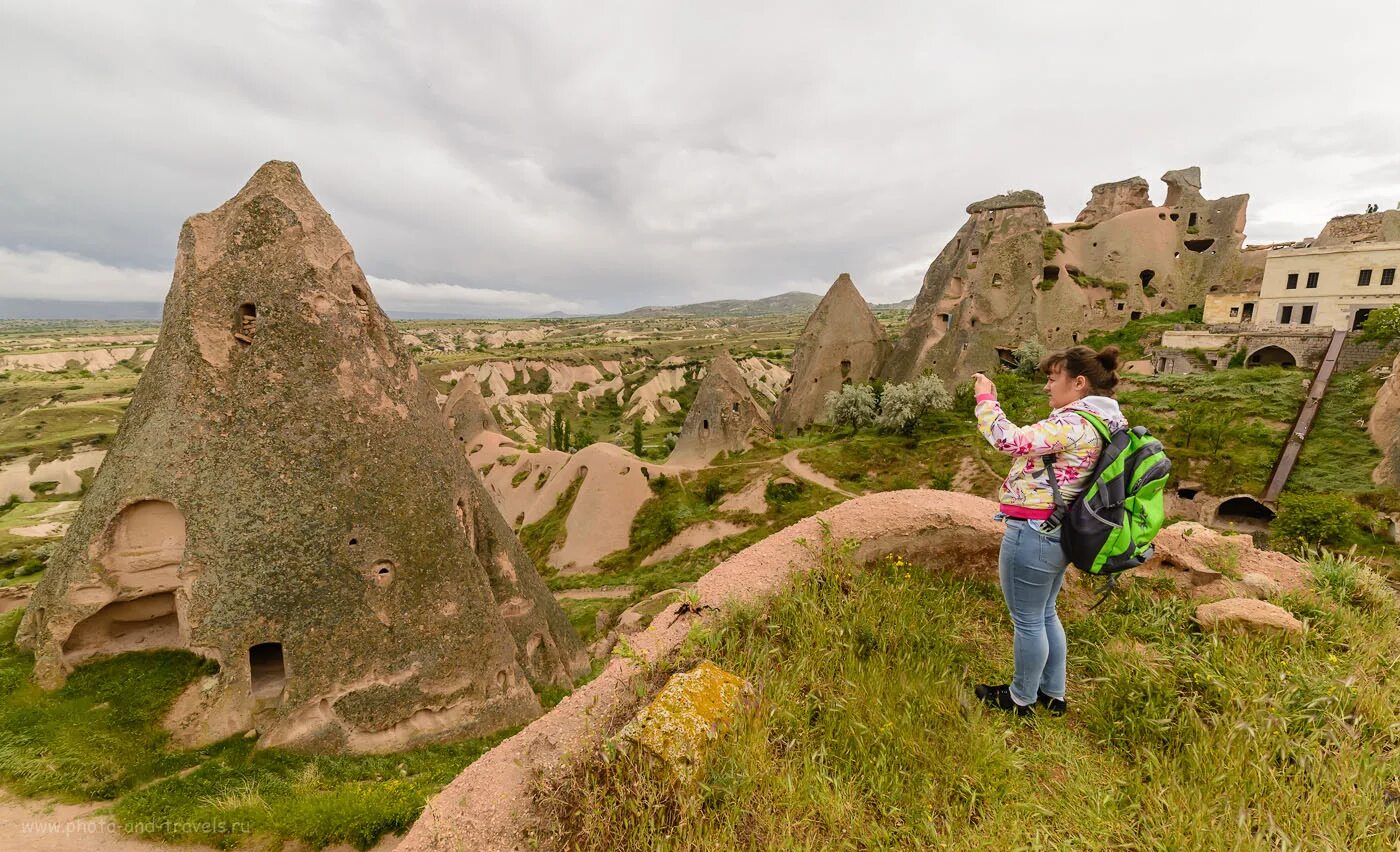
<point>1110,526</point>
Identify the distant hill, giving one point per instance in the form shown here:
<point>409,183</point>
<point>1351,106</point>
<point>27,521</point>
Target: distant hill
<point>795,302</point>
<point>895,306</point>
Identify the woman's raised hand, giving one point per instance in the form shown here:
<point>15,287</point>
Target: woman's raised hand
<point>981,384</point>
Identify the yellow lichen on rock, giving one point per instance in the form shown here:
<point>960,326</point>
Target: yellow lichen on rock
<point>687,715</point>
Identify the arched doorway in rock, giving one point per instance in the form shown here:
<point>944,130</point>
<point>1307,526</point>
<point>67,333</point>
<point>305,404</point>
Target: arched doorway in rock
<point>1271,356</point>
<point>1243,512</point>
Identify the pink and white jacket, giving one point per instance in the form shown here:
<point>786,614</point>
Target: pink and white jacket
<point>1026,491</point>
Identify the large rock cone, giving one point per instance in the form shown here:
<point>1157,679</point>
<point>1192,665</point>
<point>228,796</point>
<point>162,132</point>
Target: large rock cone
<point>467,412</point>
<point>842,342</point>
<point>723,418</point>
<point>285,499</point>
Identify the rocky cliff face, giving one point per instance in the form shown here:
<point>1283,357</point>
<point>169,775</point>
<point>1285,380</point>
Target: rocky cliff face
<point>842,342</point>
<point>1110,199</point>
<point>1382,227</point>
<point>1008,274</point>
<point>1384,426</point>
<point>284,498</point>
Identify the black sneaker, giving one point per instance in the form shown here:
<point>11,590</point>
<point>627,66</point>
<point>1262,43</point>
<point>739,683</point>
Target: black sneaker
<point>1000,698</point>
<point>1056,706</point>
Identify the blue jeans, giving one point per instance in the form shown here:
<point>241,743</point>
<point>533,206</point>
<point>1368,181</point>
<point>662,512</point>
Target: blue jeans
<point>1032,569</point>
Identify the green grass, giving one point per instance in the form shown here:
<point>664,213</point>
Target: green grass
<point>99,738</point>
<point>1052,242</point>
<point>1131,336</point>
<point>865,734</point>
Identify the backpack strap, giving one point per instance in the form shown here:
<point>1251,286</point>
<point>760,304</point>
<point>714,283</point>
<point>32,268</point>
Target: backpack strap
<point>1060,507</point>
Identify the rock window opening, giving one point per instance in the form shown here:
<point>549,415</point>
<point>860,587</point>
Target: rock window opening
<point>1176,216</point>
<point>996,279</point>
<point>381,573</point>
<point>1145,276</point>
<point>1191,221</point>
<point>704,424</point>
<point>1050,273</point>
<point>354,541</point>
<point>267,670</point>
<point>1199,246</point>
<point>1074,336</point>
<point>973,323</point>
<point>245,323</point>
<point>1190,307</point>
<point>1121,305</point>
<point>976,252</point>
<point>1162,216</point>
<point>1186,492</point>
<point>734,407</point>
<point>845,369</point>
<point>1135,315</point>
<point>1164,303</point>
<point>944,320</point>
<point>1248,313</point>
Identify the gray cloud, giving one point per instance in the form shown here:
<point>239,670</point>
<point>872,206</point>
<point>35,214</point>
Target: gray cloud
<point>611,154</point>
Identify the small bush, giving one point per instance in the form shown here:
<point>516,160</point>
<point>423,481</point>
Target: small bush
<point>1312,519</point>
<point>783,492</point>
<point>1052,242</point>
<point>713,491</point>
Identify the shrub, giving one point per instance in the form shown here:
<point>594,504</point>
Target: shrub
<point>783,492</point>
<point>713,491</point>
<point>1028,357</point>
<point>1304,519</point>
<point>852,405</point>
<point>1052,242</point>
<point>1381,324</point>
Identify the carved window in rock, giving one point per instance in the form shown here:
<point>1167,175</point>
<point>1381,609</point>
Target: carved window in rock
<point>245,323</point>
<point>1191,221</point>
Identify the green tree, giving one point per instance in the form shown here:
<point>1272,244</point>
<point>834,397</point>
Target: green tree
<point>637,437</point>
<point>902,406</point>
<point>1382,324</point>
<point>852,405</point>
<point>1028,357</point>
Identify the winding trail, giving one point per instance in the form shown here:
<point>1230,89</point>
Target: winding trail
<point>811,474</point>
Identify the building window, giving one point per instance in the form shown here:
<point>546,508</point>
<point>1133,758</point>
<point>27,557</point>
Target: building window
<point>1387,276</point>
<point>1312,280</point>
<point>1235,311</point>
<point>1285,315</point>
<point>1248,312</point>
<point>1363,278</point>
<point>1305,318</point>
<point>1292,281</point>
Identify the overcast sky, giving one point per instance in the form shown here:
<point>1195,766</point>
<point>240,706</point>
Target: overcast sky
<point>494,159</point>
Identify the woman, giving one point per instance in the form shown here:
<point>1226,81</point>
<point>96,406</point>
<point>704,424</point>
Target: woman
<point>1032,564</point>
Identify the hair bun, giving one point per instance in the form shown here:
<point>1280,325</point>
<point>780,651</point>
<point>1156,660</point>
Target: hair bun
<point>1108,357</point>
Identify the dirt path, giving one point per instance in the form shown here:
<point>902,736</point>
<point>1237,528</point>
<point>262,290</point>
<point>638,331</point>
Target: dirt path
<point>807,472</point>
<point>39,826</point>
<point>598,593</point>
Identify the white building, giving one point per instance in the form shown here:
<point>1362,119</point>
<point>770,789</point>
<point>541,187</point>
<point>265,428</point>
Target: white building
<point>1309,288</point>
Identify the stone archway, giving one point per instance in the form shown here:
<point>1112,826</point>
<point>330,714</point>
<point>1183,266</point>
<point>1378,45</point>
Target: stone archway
<point>1242,512</point>
<point>1271,355</point>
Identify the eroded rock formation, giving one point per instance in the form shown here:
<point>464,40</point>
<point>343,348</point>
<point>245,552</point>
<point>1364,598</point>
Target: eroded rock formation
<point>466,411</point>
<point>723,418</point>
<point>1382,227</point>
<point>1382,423</point>
<point>842,342</point>
<point>1110,199</point>
<point>1008,275</point>
<point>284,498</point>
